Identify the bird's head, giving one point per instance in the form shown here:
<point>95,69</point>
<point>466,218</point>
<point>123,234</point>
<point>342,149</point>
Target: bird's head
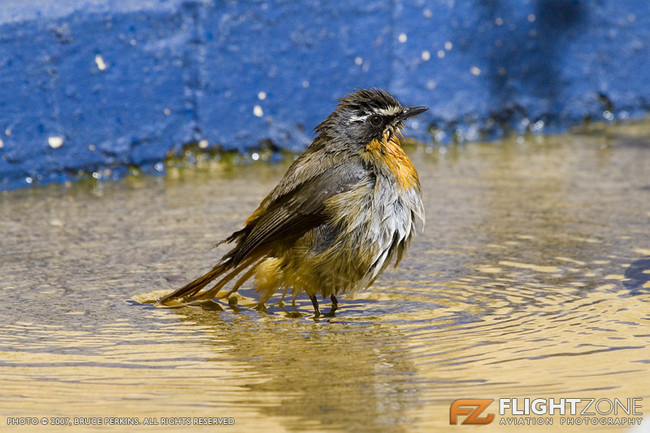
<point>366,115</point>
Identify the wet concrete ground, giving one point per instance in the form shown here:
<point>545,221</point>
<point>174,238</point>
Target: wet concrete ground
<point>531,280</point>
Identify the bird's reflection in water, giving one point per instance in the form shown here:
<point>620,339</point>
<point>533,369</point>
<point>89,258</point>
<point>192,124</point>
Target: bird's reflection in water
<point>346,375</point>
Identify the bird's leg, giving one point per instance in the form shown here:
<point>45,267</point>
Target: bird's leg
<point>314,302</point>
<point>335,305</point>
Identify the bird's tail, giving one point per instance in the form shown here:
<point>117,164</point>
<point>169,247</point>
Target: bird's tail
<point>193,291</point>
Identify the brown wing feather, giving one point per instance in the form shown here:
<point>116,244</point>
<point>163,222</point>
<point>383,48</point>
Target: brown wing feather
<point>294,213</point>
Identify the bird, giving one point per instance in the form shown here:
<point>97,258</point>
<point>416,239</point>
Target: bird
<point>344,211</point>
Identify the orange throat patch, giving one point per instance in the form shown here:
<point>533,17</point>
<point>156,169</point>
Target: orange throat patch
<point>389,153</point>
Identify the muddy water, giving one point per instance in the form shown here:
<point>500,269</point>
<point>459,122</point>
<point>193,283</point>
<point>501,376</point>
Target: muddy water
<point>531,280</point>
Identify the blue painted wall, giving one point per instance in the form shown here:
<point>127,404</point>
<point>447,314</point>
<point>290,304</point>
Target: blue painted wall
<point>100,85</point>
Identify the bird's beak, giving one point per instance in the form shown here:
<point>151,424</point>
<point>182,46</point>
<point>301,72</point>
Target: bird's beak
<point>412,111</point>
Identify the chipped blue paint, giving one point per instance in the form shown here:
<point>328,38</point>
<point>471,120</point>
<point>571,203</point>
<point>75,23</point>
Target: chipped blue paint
<point>99,85</point>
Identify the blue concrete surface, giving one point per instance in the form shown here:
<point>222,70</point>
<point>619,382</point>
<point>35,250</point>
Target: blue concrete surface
<point>101,85</point>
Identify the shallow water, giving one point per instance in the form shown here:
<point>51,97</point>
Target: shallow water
<point>531,280</point>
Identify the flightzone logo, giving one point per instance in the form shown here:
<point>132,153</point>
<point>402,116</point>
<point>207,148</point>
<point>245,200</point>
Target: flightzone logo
<point>471,410</point>
<point>547,411</point>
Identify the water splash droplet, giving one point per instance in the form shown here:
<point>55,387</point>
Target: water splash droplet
<point>537,126</point>
<point>99,61</point>
<point>55,142</point>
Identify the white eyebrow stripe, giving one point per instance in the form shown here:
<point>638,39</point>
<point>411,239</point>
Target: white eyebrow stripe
<point>391,111</point>
<point>358,118</point>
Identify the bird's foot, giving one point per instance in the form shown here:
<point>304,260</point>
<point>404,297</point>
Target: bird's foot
<point>330,313</point>
<point>335,306</point>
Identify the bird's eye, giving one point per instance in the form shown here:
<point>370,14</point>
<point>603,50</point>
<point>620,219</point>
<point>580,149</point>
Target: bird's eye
<point>376,120</point>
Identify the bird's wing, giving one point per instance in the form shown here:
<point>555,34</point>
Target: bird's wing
<point>295,212</point>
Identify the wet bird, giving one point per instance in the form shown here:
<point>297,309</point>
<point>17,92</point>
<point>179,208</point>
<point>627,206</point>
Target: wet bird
<point>344,210</point>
